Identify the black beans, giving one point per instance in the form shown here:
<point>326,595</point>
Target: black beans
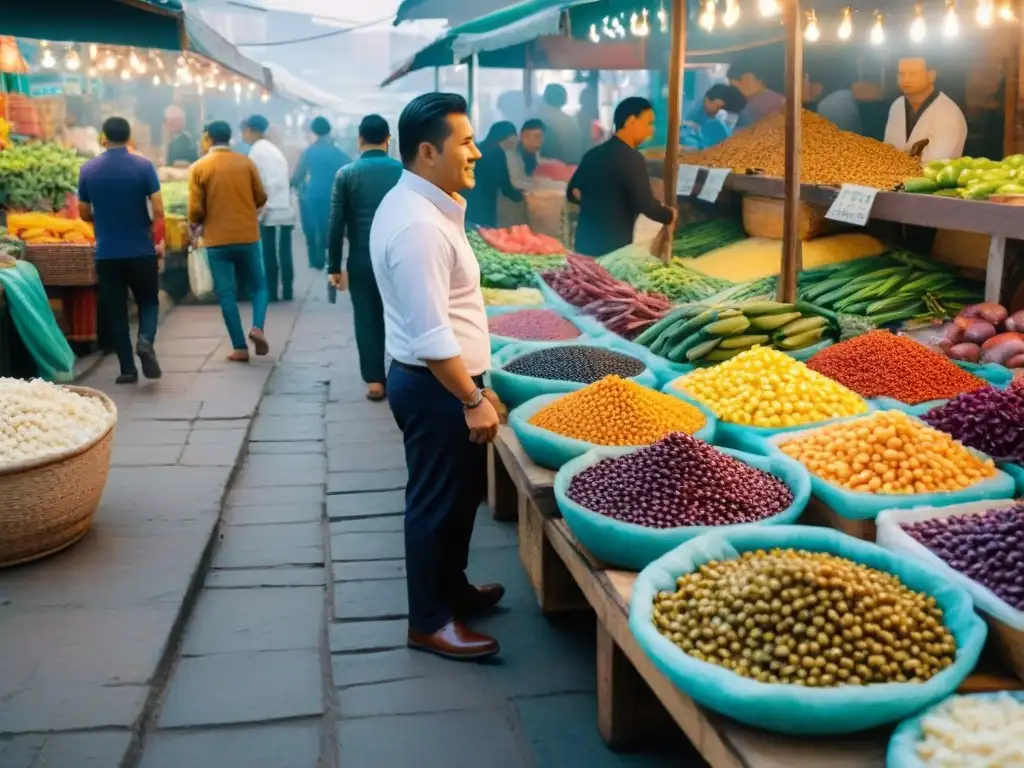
<point>679,481</point>
<point>578,363</point>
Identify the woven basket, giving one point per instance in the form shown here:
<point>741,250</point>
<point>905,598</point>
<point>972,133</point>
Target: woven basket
<point>49,502</point>
<point>65,266</point>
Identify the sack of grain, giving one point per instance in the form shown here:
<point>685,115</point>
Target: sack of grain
<point>758,257</point>
<point>544,211</point>
<point>763,217</point>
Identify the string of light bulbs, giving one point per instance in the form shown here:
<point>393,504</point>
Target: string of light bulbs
<point>639,24</point>
<point>129,64</point>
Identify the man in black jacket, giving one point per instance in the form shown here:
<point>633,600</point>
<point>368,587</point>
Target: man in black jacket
<point>358,189</point>
<point>612,185</point>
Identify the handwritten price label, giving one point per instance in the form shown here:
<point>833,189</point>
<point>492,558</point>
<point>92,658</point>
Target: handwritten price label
<point>852,205</point>
<point>687,180</point>
<point>713,184</point>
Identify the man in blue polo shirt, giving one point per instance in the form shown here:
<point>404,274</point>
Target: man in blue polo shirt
<point>116,192</point>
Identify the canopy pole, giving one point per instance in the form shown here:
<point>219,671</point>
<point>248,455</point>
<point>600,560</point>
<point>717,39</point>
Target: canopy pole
<point>792,256</point>
<point>474,113</point>
<point>527,84</point>
<point>676,63</point>
<point>437,79</point>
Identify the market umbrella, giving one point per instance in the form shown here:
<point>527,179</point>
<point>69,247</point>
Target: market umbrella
<point>140,23</point>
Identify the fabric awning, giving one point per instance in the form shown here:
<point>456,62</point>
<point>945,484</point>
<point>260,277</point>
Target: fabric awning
<point>141,23</point>
<point>205,41</point>
<point>288,86</point>
<point>455,12</point>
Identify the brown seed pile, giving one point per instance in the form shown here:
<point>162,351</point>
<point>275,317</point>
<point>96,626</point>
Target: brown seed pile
<point>805,618</point>
<point>830,157</point>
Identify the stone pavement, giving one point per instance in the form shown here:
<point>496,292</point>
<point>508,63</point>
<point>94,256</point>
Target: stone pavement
<point>280,642</point>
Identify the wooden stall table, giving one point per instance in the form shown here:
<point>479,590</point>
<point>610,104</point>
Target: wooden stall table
<point>636,704</point>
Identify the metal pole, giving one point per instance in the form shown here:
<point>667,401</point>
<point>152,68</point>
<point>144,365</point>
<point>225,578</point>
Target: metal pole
<point>792,257</point>
<point>437,79</point>
<point>676,63</point>
<point>528,85</point>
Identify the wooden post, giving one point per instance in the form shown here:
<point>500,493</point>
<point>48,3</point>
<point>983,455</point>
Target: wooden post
<point>792,260</point>
<point>676,63</point>
<point>474,115</point>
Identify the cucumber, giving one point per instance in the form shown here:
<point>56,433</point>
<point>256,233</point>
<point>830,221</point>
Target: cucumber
<point>804,325</point>
<point>651,335</point>
<point>677,354</point>
<point>801,340</point>
<point>702,349</point>
<point>752,308</point>
<point>773,322</point>
<point>920,185</point>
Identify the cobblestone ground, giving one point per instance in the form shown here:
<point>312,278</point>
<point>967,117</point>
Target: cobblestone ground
<point>290,652</point>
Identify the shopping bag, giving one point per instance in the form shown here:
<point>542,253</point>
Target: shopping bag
<point>200,278</point>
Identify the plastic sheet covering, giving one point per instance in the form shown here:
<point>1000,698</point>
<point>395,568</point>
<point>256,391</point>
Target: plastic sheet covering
<point>33,319</point>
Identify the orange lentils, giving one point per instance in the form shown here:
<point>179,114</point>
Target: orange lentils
<point>617,411</point>
<point>881,364</point>
<point>887,452</point>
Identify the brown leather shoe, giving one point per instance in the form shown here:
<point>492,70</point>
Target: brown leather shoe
<point>479,599</point>
<point>454,641</point>
<point>239,356</point>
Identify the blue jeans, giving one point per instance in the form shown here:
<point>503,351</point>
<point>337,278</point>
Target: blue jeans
<point>248,257</point>
<point>447,481</point>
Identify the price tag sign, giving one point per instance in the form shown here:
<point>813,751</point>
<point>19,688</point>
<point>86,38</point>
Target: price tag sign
<point>713,184</point>
<point>852,205</point>
<point>686,180</point>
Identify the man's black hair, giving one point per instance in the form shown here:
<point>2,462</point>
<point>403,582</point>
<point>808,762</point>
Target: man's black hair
<point>117,130</point>
<point>556,95</point>
<point>732,100</point>
<point>742,66</point>
<point>533,124</point>
<point>425,121</point>
<point>219,132</point>
<point>374,129</point>
<point>634,106</point>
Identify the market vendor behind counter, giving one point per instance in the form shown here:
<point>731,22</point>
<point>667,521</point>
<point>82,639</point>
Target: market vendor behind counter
<point>924,113</point>
<point>612,185</point>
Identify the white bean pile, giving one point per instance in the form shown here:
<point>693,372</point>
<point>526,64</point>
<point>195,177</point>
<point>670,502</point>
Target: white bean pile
<point>974,732</point>
<point>40,419</point>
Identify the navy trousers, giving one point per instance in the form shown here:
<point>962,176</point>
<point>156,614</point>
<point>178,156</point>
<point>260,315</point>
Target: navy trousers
<point>447,480</point>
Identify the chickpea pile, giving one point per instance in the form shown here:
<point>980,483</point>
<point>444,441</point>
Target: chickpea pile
<point>763,387</point>
<point>888,452</point>
<point>830,157</point>
<point>616,411</point>
<point>805,618</point>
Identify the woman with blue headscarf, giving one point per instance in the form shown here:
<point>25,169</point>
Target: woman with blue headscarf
<point>314,178</point>
<point>492,176</point>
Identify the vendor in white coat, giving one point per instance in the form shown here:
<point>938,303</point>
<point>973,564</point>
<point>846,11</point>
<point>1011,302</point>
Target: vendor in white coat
<point>924,112</point>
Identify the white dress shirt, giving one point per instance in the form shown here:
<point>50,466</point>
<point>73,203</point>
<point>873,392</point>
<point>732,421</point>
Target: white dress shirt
<point>942,123</point>
<point>428,277</point>
<point>273,169</point>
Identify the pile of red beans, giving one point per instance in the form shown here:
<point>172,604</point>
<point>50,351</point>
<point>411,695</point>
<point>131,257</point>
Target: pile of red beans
<point>533,325</point>
<point>677,482</point>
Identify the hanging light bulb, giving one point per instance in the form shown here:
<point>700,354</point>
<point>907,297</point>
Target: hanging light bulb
<point>617,28</point>
<point>768,8</point>
<point>1006,11</point>
<point>732,13</point>
<point>133,59</point>
<point>877,36</point>
<point>94,51</point>
<point>707,16</point>
<point>109,61</point>
<point>200,88</point>
<point>640,25</point>
<point>264,97</point>
<point>183,75</point>
<point>252,87</point>
<point>593,35</point>
<point>950,22</point>
<point>93,72</point>
<point>126,74</point>
<point>156,79</point>
<point>918,27</point>
<point>222,86</point>
<point>237,88</point>
<point>663,19</point>
<point>986,13</point>
<point>812,33</point>
<point>846,25</point>
<point>606,27</point>
<point>159,62</point>
<point>72,61</point>
<point>49,61</point>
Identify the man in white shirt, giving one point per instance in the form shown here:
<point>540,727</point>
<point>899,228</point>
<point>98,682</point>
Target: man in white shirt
<point>277,220</point>
<point>435,331</point>
<point>924,113</point>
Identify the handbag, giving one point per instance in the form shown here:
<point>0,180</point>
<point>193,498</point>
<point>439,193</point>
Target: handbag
<point>200,278</point>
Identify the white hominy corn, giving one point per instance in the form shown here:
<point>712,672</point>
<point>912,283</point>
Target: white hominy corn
<point>39,419</point>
